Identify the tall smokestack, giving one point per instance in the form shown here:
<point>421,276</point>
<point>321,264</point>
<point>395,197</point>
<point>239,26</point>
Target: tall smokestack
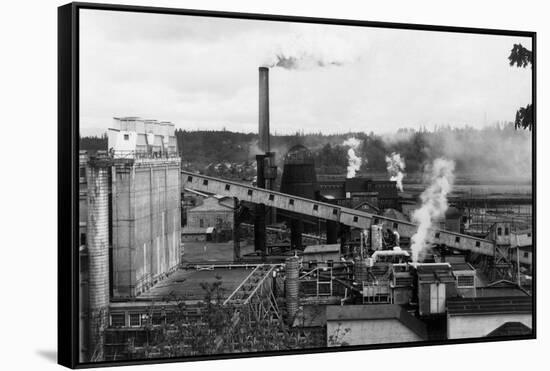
<point>263,119</point>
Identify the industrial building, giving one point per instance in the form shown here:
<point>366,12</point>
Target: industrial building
<point>129,220</point>
<point>331,262</point>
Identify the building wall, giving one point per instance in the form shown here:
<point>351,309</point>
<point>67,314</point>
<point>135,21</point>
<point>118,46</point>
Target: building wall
<point>473,326</point>
<point>362,332</point>
<point>425,296</point>
<point>146,223</point>
<point>402,295</point>
<point>221,219</point>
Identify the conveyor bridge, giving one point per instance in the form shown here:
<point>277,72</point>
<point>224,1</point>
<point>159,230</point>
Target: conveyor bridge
<point>346,216</point>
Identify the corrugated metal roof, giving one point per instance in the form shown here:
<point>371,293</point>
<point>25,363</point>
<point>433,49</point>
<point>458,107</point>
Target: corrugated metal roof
<point>435,272</point>
<point>489,305</point>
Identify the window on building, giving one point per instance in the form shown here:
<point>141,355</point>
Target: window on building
<point>376,220</point>
<point>227,187</point>
<point>506,231</point>
<point>291,202</point>
<point>436,234</point>
<point>526,254</point>
<point>355,219</point>
<point>158,319</point>
<point>118,320</point>
<point>465,281</point>
<point>334,211</point>
<point>395,225</point>
<point>457,239</point>
<point>271,197</point>
<point>499,231</point>
<point>126,137</point>
<point>82,172</point>
<point>82,239</point>
<point>189,178</point>
<point>478,244</point>
<point>205,182</point>
<point>201,223</point>
<point>528,234</point>
<point>315,207</point>
<point>134,319</point>
<point>250,192</point>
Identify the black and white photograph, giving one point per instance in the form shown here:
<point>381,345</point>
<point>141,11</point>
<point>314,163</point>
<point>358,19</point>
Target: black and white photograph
<point>253,186</point>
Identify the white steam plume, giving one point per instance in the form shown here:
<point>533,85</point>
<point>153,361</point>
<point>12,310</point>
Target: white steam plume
<point>396,165</point>
<point>354,162</point>
<point>434,203</point>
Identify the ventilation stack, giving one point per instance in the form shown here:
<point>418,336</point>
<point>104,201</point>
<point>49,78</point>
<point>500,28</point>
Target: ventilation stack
<point>98,254</point>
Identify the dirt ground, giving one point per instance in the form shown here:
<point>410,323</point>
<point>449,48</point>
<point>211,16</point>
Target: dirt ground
<point>197,252</point>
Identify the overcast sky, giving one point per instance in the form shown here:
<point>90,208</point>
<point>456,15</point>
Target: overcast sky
<point>202,73</point>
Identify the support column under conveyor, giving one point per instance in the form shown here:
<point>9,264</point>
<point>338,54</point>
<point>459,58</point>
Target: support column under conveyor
<point>236,234</point>
<point>296,230</point>
<point>98,255</point>
<point>260,211</point>
<point>332,230</point>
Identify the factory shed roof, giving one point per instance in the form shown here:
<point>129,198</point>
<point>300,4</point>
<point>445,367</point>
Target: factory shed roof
<point>366,205</point>
<point>187,284</point>
<point>394,214</point>
<point>489,305</point>
<point>435,272</point>
<point>454,258</point>
<point>501,288</point>
<point>462,267</point>
<point>377,312</point>
<point>211,204</point>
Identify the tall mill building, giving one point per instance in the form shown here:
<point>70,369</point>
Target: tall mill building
<point>130,221</point>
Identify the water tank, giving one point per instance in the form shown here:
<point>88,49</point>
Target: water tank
<point>299,177</point>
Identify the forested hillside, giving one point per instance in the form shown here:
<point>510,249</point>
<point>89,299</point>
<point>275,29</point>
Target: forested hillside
<point>499,149</point>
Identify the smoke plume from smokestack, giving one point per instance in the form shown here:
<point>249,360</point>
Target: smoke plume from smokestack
<point>434,203</point>
<point>354,162</point>
<point>309,49</point>
<point>303,61</point>
<point>396,166</point>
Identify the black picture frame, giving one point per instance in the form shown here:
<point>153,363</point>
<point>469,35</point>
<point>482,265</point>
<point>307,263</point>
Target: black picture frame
<point>68,169</point>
